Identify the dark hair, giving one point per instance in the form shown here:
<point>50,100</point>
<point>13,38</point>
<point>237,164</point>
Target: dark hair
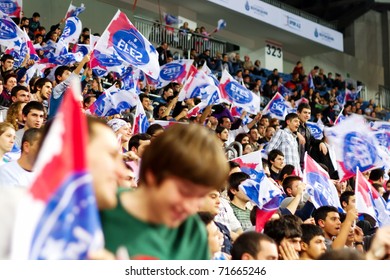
<point>60,70</point>
<point>321,212</point>
<point>342,254</point>
<point>41,82</point>
<point>16,89</point>
<point>291,116</point>
<point>234,181</point>
<point>233,164</point>
<point>32,105</point>
<point>6,56</point>
<point>36,14</point>
<point>310,231</point>
<point>240,136</point>
<point>288,181</point>
<point>30,135</point>
<point>376,174</point>
<point>272,155</point>
<point>142,96</point>
<point>282,228</point>
<point>303,106</point>
<point>248,242</point>
<point>344,197</point>
<point>153,128</point>
<point>135,140</point>
<point>206,217</point>
<point>288,169</point>
<point>219,129</point>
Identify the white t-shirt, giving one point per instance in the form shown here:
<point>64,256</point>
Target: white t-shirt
<point>12,175</point>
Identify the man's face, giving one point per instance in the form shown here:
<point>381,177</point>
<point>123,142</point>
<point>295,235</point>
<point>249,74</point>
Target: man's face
<point>146,103</point>
<point>224,135</point>
<point>34,119</point>
<point>211,203</point>
<point>332,224</point>
<point>105,165</point>
<point>64,75</point>
<point>141,148</point>
<point>294,241</point>
<point>10,84</point>
<point>268,251</point>
<point>278,163</point>
<point>161,111</point>
<point>304,115</point>
<point>293,124</point>
<point>254,135</point>
<point>226,123</point>
<point>270,132</point>
<point>8,64</point>
<point>351,203</point>
<point>46,90</point>
<point>315,248</point>
<point>174,200</point>
<point>21,95</point>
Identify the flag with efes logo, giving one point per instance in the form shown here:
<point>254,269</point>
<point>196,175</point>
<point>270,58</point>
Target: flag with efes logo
<point>235,93</point>
<point>277,107</point>
<point>12,8</point>
<point>58,218</point>
<point>124,43</point>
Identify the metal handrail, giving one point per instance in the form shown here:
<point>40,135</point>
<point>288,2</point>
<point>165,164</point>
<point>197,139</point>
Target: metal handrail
<point>157,33</point>
<point>232,147</point>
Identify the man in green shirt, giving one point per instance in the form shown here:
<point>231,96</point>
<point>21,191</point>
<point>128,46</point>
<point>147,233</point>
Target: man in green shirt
<point>156,220</point>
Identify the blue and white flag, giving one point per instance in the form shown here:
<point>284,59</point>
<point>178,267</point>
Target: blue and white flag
<point>265,195</point>
<point>58,219</point>
<point>72,31</point>
<point>114,101</point>
<point>278,107</point>
<point>221,24</point>
<point>319,186</point>
<point>10,33</point>
<point>74,11</point>
<point>122,41</point>
<point>369,201</point>
<point>235,93</point>
<point>355,145</point>
<point>13,8</point>
<point>141,122</point>
<point>316,130</point>
<point>170,19</point>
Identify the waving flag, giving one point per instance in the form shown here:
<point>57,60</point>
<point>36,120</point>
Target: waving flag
<point>237,94</point>
<point>369,201</point>
<point>59,218</point>
<point>170,19</point>
<point>74,11</point>
<point>141,122</point>
<point>175,71</point>
<point>221,24</point>
<point>340,118</point>
<point>122,40</point>
<point>355,146</point>
<point>284,91</point>
<point>250,161</point>
<point>10,33</point>
<point>102,64</point>
<point>265,195</point>
<point>277,107</point>
<point>341,98</point>
<point>113,101</point>
<point>166,124</point>
<point>380,125</point>
<point>12,8</point>
<point>320,187</point>
<point>200,85</point>
<point>72,30</point>
<point>82,48</point>
<point>316,130</point>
